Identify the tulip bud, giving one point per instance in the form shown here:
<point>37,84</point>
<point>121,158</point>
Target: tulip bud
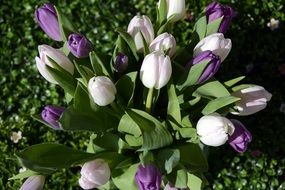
<point>177,8</point>
<point>141,27</point>
<point>148,177</point>
<point>216,10</point>
<point>215,43</point>
<point>79,45</point>
<point>121,63</point>
<point>253,99</point>
<point>155,70</point>
<point>47,19</point>
<point>102,90</point>
<point>164,42</point>
<point>213,129</point>
<point>57,56</point>
<point>35,182</point>
<point>51,115</point>
<point>94,174</point>
<point>240,138</point>
<point>212,67</point>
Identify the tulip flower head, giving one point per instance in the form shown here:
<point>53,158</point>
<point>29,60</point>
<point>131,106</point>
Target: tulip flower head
<point>164,42</point>
<point>35,182</point>
<point>121,62</point>
<point>148,177</point>
<point>240,138</point>
<point>47,52</point>
<point>46,17</point>
<point>79,45</point>
<point>215,43</point>
<point>175,9</point>
<point>155,70</point>
<point>51,115</point>
<point>94,174</point>
<point>102,90</point>
<point>253,99</point>
<point>216,10</point>
<point>214,129</point>
<point>140,28</point>
<point>211,69</point>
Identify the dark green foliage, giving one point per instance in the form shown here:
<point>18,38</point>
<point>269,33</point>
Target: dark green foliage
<point>24,92</point>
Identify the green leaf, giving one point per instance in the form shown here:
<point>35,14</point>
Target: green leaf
<point>126,87</point>
<point>188,133</point>
<point>128,125</point>
<point>108,142</point>
<point>40,119</point>
<point>129,40</point>
<point>146,157</point>
<point>98,65</point>
<point>65,25</point>
<point>173,108</point>
<point>47,158</point>
<point>162,10</point>
<point>64,79</point>
<point>192,157</point>
<point>75,120</point>
<point>166,27</point>
<point>168,159</point>
<point>154,133</point>
<point>219,103</point>
<point>24,174</point>
<point>192,76</point>
<point>232,82</point>
<point>134,141</point>
<point>127,179</point>
<point>194,182</point>
<point>213,27</point>
<point>82,101</point>
<point>242,86</point>
<point>212,89</point>
<point>178,178</point>
<point>201,27</point>
<point>84,72</point>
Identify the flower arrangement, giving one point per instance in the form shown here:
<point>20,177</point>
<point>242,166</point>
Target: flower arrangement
<point>150,107</point>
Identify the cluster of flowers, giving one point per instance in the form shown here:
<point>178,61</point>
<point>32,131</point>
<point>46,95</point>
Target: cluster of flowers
<point>155,73</point>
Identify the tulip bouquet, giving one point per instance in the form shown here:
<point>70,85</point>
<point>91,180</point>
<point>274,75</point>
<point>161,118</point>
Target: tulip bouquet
<point>151,106</point>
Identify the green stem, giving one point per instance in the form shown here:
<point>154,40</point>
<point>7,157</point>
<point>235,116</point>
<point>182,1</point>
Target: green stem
<point>149,100</point>
<point>115,107</point>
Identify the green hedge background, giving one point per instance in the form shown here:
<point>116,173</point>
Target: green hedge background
<point>257,53</point>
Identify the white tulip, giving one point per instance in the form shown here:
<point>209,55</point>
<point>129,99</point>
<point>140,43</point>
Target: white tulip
<point>35,182</point>
<point>155,70</point>
<point>253,99</point>
<point>94,174</point>
<point>57,56</point>
<point>102,90</point>
<point>214,129</point>
<point>215,43</point>
<point>141,27</point>
<point>175,7</point>
<point>164,42</point>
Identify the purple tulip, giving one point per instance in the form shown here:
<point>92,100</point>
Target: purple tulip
<point>121,63</point>
<point>51,115</point>
<point>212,67</point>
<point>47,19</point>
<point>216,10</point>
<point>148,177</point>
<point>240,138</point>
<point>79,45</point>
<point>35,182</point>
